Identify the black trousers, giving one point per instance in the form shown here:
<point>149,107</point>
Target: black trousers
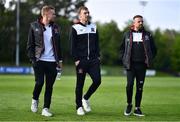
<point>138,71</point>
<point>92,67</point>
<point>47,70</point>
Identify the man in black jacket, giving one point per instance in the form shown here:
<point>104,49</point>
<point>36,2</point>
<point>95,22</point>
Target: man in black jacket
<point>85,52</point>
<point>44,51</point>
<point>137,52</point>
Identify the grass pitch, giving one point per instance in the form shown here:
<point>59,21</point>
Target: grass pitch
<point>161,99</point>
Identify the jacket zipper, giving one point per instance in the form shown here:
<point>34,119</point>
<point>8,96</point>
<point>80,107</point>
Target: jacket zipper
<point>54,47</point>
<point>130,41</point>
<point>88,47</point>
<point>42,37</point>
<point>145,51</point>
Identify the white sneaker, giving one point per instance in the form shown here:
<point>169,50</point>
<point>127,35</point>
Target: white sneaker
<point>34,106</point>
<point>45,112</point>
<point>86,105</point>
<point>80,111</point>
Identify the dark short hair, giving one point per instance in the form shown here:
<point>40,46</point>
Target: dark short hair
<point>137,16</point>
<point>82,8</point>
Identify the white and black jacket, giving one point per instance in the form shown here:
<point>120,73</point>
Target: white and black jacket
<point>84,41</point>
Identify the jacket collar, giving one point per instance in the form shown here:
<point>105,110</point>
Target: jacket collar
<point>84,24</point>
<point>140,30</point>
<point>40,21</point>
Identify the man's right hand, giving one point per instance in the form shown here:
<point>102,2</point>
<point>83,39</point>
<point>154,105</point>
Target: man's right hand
<point>77,62</point>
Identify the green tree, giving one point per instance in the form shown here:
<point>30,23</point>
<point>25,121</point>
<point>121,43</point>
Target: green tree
<point>175,58</point>
<point>64,8</point>
<point>110,37</point>
<point>7,34</point>
<point>168,56</point>
<point>30,11</point>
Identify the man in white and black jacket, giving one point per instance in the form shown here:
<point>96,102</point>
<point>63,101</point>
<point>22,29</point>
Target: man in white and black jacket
<point>137,52</point>
<point>85,52</point>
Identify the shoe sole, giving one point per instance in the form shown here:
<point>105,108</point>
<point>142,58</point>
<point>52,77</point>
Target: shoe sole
<point>46,116</point>
<point>80,114</point>
<point>126,114</point>
<point>140,115</point>
<point>34,111</point>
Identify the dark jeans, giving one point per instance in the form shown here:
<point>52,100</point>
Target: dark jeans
<point>47,70</point>
<point>138,71</point>
<point>92,67</point>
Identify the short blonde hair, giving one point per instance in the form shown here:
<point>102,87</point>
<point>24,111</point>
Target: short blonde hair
<point>46,8</point>
<point>82,8</point>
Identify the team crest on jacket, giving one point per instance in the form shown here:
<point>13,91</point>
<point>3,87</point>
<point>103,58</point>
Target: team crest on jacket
<point>81,30</point>
<point>92,30</point>
<point>36,29</point>
<point>146,37</point>
<point>55,30</point>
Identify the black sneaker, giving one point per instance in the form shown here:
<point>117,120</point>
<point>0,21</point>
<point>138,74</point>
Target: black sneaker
<point>138,112</point>
<point>128,110</point>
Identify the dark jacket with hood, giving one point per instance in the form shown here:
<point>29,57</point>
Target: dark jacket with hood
<point>127,44</point>
<point>35,43</point>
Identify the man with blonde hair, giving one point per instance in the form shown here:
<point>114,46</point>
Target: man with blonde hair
<point>44,51</point>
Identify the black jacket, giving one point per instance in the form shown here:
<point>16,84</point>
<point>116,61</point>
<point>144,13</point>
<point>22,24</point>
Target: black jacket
<point>35,43</point>
<point>84,41</point>
<point>126,48</point>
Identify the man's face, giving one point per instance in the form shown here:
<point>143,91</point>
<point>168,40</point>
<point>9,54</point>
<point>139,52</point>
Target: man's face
<point>51,15</point>
<point>84,15</point>
<point>138,23</point>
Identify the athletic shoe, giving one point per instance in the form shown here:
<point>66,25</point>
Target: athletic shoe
<point>138,112</point>
<point>80,111</point>
<point>34,106</point>
<point>128,110</point>
<point>45,112</point>
<point>86,105</point>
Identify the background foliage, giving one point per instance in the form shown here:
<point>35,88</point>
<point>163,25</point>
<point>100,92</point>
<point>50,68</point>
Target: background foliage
<point>167,41</point>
